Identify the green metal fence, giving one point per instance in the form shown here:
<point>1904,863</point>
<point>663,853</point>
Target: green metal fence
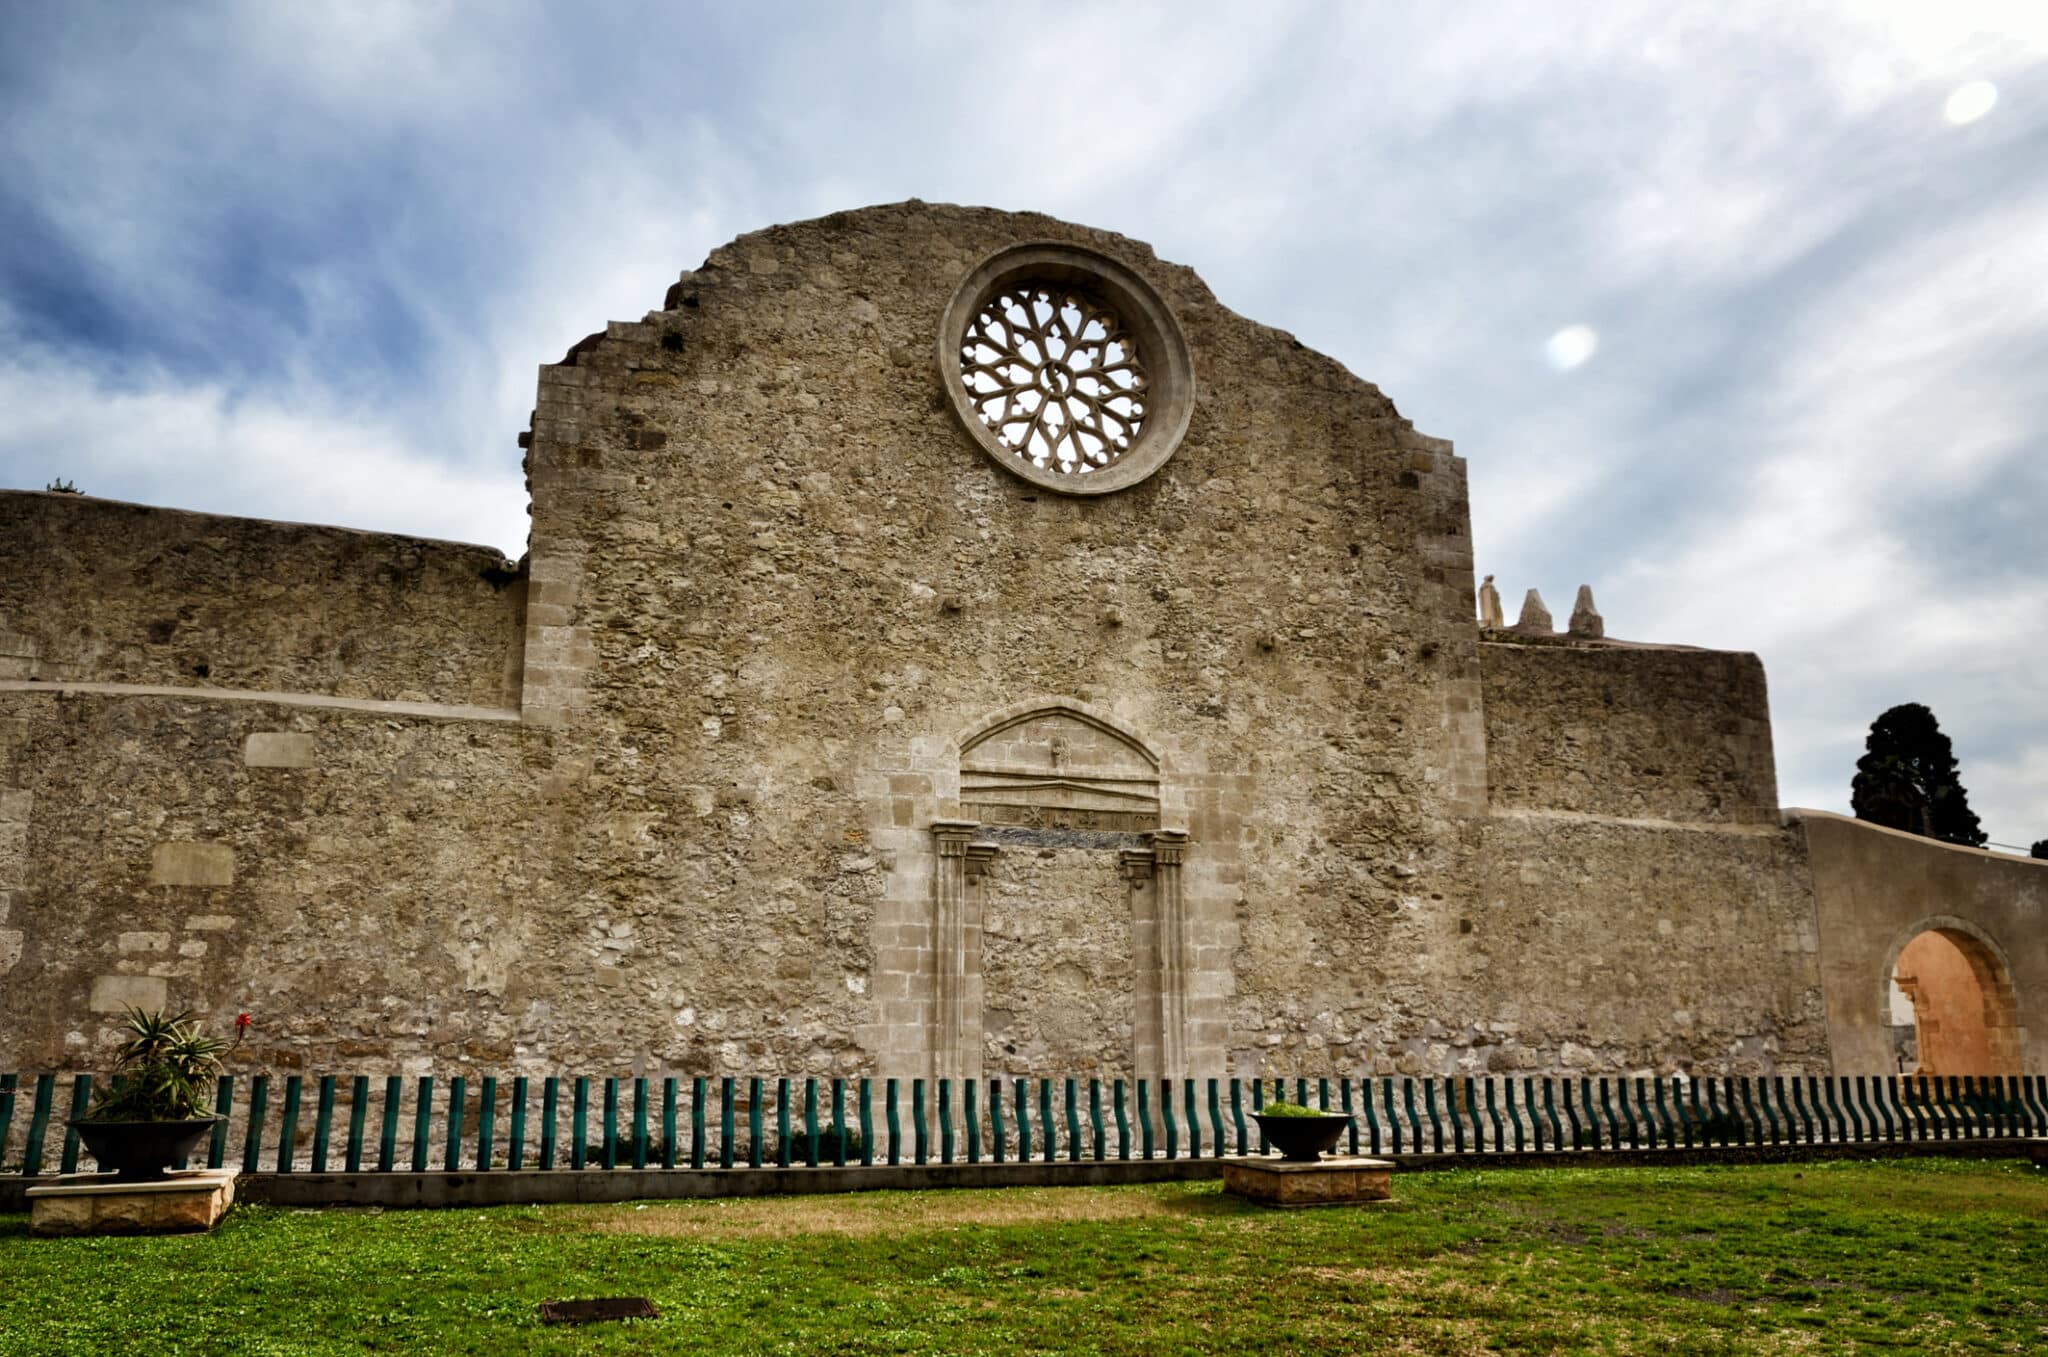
<point>361,1124</point>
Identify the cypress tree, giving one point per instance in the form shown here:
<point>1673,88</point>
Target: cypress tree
<point>1907,779</point>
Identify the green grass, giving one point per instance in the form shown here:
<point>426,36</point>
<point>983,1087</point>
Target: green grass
<point>1923,1256</point>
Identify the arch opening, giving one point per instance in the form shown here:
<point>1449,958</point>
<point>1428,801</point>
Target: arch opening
<point>1952,1008</point>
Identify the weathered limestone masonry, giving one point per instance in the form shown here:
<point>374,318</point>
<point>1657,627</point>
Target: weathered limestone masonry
<point>828,729</point>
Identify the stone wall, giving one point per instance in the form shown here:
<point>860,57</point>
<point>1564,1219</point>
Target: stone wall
<point>783,584</point>
<point>836,748</point>
<point>1608,728</point>
<point>101,591</point>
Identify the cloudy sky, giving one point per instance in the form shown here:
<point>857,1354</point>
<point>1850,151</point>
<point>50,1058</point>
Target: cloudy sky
<point>1737,311</point>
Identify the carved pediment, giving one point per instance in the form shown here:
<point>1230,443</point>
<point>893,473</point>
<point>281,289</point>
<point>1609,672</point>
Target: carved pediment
<point>1059,767</point>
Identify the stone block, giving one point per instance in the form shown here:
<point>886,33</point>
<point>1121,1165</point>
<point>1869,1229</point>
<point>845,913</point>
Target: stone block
<point>192,864</point>
<point>277,749</point>
<point>119,993</point>
<point>1342,1181</point>
<point>93,1204</point>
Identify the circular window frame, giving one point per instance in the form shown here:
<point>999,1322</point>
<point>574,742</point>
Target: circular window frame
<point>1170,371</point>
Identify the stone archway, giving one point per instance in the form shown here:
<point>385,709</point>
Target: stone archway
<point>1950,1002</point>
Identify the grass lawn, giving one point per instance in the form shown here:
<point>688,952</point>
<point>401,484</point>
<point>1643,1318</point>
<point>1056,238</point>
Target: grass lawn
<point>1908,1256</point>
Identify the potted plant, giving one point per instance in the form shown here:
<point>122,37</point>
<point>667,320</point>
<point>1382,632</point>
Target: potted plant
<point>1301,1134</point>
<point>154,1113</point>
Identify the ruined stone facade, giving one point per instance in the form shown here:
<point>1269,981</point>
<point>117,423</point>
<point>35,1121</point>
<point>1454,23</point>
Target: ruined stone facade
<point>826,729</point>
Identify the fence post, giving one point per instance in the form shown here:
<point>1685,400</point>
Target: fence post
<point>1123,1124</point>
<point>1045,1124</point>
<point>39,1123</point>
<point>515,1149</point>
<point>1144,1122</point>
<point>639,1121</point>
<point>895,1129</point>
<point>757,1111</point>
<point>839,1122</point>
<point>920,1136</point>
<point>727,1134</point>
<point>697,1091</point>
<point>972,1113</point>
<point>811,1121</point>
<point>81,1098</point>
<point>1073,1124</point>
<point>358,1113</point>
<point>1023,1105</point>
<point>997,1132</point>
<point>486,1121</point>
<point>1095,1116</point>
<point>782,1119</point>
<point>668,1121</point>
<point>579,1120</point>
<point>252,1139</point>
<point>323,1115</point>
<point>945,1121</point>
<point>1166,1118</point>
<point>867,1124</point>
<point>550,1116</point>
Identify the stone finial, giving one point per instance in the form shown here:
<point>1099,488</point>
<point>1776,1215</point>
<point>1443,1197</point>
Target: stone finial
<point>1586,622</point>
<point>1489,604</point>
<point>1535,617</point>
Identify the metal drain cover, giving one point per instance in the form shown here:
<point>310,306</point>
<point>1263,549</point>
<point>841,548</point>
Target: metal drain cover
<point>593,1311</point>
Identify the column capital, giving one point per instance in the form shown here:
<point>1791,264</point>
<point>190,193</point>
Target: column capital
<point>1169,846</point>
<point>953,836</point>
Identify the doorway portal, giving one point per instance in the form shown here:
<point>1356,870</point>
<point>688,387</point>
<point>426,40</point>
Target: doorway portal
<point>1952,1006</point>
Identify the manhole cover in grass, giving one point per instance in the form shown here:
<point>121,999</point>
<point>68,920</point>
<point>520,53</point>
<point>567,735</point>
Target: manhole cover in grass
<point>592,1311</point>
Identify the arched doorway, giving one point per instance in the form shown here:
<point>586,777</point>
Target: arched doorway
<point>1951,1001</point>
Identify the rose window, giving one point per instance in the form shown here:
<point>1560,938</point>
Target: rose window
<point>1066,368</point>
<point>1054,376</point>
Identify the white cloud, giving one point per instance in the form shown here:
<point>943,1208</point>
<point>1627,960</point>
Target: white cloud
<point>291,455</point>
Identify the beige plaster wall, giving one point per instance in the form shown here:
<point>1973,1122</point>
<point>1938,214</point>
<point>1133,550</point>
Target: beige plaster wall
<point>101,591</point>
<point>1876,888</point>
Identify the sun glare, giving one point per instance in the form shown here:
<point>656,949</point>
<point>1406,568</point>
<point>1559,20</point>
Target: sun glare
<point>1571,347</point>
<point>1969,102</point>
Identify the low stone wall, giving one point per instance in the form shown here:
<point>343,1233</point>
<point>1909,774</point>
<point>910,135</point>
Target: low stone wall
<point>98,590</point>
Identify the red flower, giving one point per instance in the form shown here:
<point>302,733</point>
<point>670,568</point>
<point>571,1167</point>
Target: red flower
<point>241,1022</point>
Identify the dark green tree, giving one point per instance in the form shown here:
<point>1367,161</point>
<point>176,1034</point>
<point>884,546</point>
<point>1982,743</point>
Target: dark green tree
<point>1907,779</point>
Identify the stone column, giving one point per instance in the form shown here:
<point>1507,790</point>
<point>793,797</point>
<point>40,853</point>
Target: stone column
<point>1169,850</point>
<point>1138,868</point>
<point>949,944</point>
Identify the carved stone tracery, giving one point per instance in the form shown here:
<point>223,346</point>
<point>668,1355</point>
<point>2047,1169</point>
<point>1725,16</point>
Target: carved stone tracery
<point>1055,376</point>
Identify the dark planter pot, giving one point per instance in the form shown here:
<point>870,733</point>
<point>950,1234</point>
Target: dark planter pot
<point>1303,1139</point>
<point>141,1151</point>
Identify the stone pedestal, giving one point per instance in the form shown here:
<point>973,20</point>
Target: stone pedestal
<point>94,1203</point>
<point>1338,1181</point>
